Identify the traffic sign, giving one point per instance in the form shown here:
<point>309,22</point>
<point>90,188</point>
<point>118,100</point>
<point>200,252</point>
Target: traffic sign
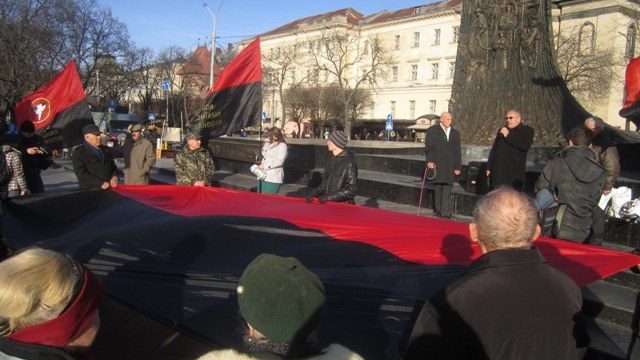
<point>165,85</point>
<point>264,115</point>
<point>389,125</point>
<point>390,118</point>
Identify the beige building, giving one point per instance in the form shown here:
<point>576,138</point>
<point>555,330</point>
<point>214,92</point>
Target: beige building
<point>423,43</point>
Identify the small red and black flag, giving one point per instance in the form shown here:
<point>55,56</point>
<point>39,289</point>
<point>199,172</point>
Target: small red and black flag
<point>59,109</point>
<point>235,101</point>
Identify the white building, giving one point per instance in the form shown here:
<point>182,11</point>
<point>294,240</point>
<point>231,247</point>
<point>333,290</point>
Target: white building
<point>423,41</point>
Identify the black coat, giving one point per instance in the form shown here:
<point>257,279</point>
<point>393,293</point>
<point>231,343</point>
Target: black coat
<point>340,178</point>
<point>509,304</point>
<point>93,170</point>
<point>577,178</point>
<point>445,154</point>
<point>508,157</point>
<point>33,351</point>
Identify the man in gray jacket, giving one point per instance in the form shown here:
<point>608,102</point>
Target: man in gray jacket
<point>139,158</point>
<point>577,180</point>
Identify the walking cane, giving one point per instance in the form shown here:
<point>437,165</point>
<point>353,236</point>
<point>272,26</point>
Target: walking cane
<point>424,179</point>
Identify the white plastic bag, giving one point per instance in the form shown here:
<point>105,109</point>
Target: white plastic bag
<point>619,196</point>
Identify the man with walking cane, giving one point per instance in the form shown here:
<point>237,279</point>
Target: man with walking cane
<point>442,149</point>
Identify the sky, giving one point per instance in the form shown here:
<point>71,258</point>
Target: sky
<point>158,24</point>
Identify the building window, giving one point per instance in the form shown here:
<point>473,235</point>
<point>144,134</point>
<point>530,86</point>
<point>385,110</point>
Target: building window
<point>630,51</point>
<point>393,109</point>
<point>452,69</point>
<point>432,106</point>
<point>293,76</point>
<point>414,72</point>
<point>436,37</point>
<point>372,108</point>
<point>416,39</point>
<point>587,39</point>
<point>412,109</point>
<point>434,71</point>
<point>456,34</point>
<point>394,73</point>
<point>396,42</point>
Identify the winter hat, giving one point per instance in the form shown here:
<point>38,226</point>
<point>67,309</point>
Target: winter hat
<point>194,136</point>
<point>339,139</point>
<point>28,127</point>
<point>280,298</point>
<point>90,129</point>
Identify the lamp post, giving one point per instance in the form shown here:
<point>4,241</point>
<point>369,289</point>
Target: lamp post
<point>213,40</point>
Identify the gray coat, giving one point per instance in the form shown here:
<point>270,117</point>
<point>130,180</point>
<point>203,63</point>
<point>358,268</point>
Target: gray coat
<point>139,158</point>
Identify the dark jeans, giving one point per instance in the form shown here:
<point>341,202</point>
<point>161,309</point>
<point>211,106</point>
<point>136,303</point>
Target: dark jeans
<point>442,200</point>
<point>597,227</point>
<point>35,184</point>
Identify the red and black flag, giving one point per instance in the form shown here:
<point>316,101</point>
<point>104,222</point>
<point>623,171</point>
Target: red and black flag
<point>235,101</point>
<point>59,109</point>
<point>182,266</point>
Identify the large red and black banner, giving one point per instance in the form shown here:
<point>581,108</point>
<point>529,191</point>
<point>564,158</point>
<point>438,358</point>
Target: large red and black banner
<point>235,101</point>
<point>59,109</point>
<point>176,253</point>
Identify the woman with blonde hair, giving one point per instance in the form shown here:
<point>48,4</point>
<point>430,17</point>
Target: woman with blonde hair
<point>48,306</point>
<point>274,153</point>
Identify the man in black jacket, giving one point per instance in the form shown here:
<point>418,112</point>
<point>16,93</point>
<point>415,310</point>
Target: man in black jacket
<point>442,149</point>
<point>93,163</point>
<point>507,163</point>
<point>577,179</point>
<point>509,304</point>
<point>34,157</point>
<point>340,178</point>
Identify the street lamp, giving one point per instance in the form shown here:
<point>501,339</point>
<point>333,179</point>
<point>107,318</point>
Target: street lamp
<point>213,40</point>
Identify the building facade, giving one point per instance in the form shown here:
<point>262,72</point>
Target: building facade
<point>422,43</point>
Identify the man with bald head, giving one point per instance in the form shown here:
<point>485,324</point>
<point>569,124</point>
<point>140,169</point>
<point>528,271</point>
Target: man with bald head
<point>442,150</point>
<point>507,163</point>
<point>509,303</point>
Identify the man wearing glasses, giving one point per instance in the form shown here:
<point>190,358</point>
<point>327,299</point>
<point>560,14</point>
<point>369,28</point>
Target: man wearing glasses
<point>507,162</point>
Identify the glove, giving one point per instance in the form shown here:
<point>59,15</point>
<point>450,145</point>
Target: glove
<point>309,198</point>
<point>322,199</point>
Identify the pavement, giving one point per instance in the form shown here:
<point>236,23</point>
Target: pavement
<point>126,334</point>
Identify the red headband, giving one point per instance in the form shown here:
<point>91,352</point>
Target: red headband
<point>71,323</point>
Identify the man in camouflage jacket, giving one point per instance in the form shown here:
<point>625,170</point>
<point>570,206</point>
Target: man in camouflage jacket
<point>194,164</point>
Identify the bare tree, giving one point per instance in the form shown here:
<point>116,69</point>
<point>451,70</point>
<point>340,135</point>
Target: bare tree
<point>587,73</point>
<point>352,64</point>
<point>280,66</point>
<point>38,37</point>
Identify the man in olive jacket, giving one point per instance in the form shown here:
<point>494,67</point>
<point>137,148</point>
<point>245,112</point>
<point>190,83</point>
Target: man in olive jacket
<point>93,163</point>
<point>139,158</point>
<point>442,150</point>
<point>340,178</point>
<point>194,164</point>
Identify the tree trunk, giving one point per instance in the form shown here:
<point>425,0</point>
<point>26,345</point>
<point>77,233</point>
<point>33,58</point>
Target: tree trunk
<point>506,61</point>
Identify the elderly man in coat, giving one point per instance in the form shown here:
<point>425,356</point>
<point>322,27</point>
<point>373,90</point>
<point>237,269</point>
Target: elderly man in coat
<point>442,149</point>
<point>139,158</point>
<point>507,164</point>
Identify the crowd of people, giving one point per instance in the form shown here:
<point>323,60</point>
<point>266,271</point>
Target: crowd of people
<point>49,302</point>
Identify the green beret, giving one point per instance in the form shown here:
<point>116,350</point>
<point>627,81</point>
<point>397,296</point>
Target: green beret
<point>280,298</point>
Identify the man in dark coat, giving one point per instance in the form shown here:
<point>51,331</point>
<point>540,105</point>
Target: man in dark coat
<point>507,164</point>
<point>340,177</point>
<point>509,304</point>
<point>442,149</point>
<point>93,163</point>
<point>34,157</point>
<point>577,179</point>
